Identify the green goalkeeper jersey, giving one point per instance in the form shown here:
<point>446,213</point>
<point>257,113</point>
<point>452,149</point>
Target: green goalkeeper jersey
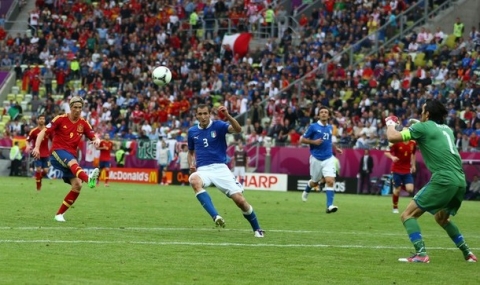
<point>437,145</point>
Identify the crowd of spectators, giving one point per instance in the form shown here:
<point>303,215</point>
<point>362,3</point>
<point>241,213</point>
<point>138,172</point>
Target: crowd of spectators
<point>106,52</point>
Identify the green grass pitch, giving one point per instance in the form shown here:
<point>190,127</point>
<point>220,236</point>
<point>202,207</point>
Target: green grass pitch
<point>152,234</point>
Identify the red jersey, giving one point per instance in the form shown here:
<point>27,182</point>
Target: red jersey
<point>67,134</point>
<point>32,138</point>
<point>404,151</point>
<point>137,116</point>
<point>105,153</point>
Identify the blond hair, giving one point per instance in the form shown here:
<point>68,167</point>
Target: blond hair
<point>76,99</point>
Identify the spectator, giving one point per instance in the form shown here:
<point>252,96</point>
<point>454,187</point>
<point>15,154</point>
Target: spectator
<point>474,189</point>
<point>473,142</point>
<point>458,29</point>
<point>16,159</point>
<point>365,169</point>
<point>2,21</point>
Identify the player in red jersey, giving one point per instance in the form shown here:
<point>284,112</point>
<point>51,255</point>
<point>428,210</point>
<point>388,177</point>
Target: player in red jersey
<point>106,146</point>
<point>67,131</point>
<point>41,164</point>
<point>403,156</point>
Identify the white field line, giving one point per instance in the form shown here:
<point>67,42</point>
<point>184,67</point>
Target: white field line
<point>165,229</point>
<point>222,244</point>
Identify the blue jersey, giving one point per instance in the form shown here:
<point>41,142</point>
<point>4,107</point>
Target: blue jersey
<point>324,132</point>
<point>209,144</point>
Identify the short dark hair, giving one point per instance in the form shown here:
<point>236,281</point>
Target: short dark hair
<point>436,111</point>
<point>41,115</point>
<point>325,108</point>
<point>201,106</point>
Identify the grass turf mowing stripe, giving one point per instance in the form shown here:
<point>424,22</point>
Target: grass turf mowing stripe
<point>160,229</point>
<point>187,243</point>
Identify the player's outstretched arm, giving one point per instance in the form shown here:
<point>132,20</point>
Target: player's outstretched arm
<point>96,142</point>
<point>234,127</point>
<point>191,160</point>
<point>393,135</point>
<point>413,162</point>
<point>391,156</point>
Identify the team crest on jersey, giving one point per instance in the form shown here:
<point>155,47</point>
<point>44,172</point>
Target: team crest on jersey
<point>213,134</point>
<point>80,128</point>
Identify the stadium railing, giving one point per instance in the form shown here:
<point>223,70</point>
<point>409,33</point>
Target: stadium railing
<point>227,26</point>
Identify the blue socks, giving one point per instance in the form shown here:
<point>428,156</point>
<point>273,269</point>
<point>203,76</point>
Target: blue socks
<point>206,203</point>
<point>308,188</point>
<point>252,218</point>
<point>330,193</point>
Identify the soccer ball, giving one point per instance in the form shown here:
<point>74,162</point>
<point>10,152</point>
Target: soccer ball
<point>161,75</point>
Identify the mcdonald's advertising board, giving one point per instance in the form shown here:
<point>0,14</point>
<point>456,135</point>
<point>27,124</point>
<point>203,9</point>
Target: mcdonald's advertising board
<point>131,175</point>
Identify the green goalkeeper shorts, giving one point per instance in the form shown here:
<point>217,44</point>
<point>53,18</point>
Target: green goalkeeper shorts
<point>440,195</point>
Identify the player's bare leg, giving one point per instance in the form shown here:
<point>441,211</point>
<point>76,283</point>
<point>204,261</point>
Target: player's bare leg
<point>443,219</point>
<point>310,185</point>
<point>68,201</point>
<point>248,213</point>
<point>205,199</point>
<point>82,175</point>
<point>395,198</point>
<point>107,174</point>
<point>330,194</point>
<point>396,195</point>
<point>164,178</point>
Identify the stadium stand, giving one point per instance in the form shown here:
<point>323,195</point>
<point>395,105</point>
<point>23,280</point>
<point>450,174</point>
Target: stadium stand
<point>105,51</point>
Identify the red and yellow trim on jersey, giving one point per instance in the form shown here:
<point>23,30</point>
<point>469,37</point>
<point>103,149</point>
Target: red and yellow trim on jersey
<point>31,132</point>
<point>90,126</point>
<point>57,117</point>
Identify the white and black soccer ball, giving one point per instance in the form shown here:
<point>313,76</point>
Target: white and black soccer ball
<point>161,75</point>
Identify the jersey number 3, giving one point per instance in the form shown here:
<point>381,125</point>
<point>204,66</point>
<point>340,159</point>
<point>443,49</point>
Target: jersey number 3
<point>205,143</point>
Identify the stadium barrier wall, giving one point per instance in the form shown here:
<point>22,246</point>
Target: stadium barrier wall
<point>342,184</point>
<point>253,181</point>
<point>294,161</point>
<point>127,175</point>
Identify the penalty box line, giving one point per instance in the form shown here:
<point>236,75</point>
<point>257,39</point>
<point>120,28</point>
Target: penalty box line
<point>219,244</point>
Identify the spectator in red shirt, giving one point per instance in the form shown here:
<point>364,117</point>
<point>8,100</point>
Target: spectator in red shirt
<point>294,137</point>
<point>137,118</point>
<point>61,77</point>
<point>35,85</point>
<point>473,141</point>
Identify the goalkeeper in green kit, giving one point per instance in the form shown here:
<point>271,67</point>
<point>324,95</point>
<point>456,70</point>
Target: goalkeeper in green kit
<point>443,195</point>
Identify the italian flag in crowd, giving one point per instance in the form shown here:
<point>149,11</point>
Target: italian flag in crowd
<point>131,146</point>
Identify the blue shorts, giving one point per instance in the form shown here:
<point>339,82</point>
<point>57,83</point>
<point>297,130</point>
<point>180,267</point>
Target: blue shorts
<point>41,162</point>
<point>59,160</point>
<point>402,179</point>
<point>104,164</point>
